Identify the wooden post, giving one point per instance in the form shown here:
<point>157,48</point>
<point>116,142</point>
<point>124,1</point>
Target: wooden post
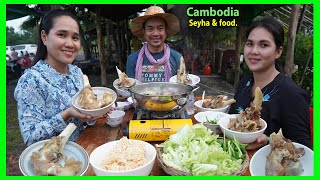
<point>127,38</point>
<point>100,48</point>
<point>301,18</point>
<point>123,43</point>
<point>108,39</point>
<point>239,33</point>
<point>213,49</point>
<point>114,40</point>
<point>119,44</point>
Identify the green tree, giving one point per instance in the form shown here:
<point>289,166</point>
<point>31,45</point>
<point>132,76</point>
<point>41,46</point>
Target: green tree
<point>27,36</point>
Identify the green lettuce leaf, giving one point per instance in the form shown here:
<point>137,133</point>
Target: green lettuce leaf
<point>196,150</point>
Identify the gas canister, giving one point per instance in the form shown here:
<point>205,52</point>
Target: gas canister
<point>154,130</point>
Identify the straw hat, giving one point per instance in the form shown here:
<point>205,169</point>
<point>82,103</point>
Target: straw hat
<point>173,25</point>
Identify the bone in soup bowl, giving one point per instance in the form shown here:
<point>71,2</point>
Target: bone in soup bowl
<point>123,92</point>
<point>199,108</point>
<point>99,91</point>
<point>243,137</point>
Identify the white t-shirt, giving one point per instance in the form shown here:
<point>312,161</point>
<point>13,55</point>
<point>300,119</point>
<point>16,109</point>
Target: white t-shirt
<point>14,55</point>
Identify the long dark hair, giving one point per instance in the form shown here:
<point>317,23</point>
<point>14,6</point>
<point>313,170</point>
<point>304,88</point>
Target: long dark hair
<point>271,25</point>
<point>275,28</point>
<point>46,25</point>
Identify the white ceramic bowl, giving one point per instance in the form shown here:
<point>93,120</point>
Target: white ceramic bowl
<point>130,100</point>
<point>243,137</point>
<point>194,78</point>
<point>99,91</point>
<point>258,161</point>
<point>122,105</point>
<point>115,118</point>
<point>98,156</point>
<point>199,108</point>
<point>123,92</point>
<point>202,117</point>
<point>71,150</point>
<point>119,107</point>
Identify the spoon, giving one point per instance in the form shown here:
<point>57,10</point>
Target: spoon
<point>203,95</point>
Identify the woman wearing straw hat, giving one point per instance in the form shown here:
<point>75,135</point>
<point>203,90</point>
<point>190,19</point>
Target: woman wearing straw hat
<point>155,61</point>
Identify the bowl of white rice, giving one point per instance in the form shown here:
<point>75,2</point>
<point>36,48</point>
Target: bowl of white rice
<point>124,157</point>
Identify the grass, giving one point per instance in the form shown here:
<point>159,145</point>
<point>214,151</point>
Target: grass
<point>13,135</point>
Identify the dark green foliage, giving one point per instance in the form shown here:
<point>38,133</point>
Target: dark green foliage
<point>303,50</point>
<point>26,36</point>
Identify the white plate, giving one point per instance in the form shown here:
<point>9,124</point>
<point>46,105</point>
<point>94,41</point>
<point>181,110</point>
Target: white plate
<point>71,150</point>
<point>258,161</point>
<point>195,79</point>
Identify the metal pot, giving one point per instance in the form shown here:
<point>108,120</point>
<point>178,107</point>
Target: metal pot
<point>160,96</point>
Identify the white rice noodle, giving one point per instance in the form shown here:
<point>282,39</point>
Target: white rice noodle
<point>126,155</point>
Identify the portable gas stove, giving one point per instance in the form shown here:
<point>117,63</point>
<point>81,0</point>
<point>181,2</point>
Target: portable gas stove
<point>156,126</point>
<point>146,115</point>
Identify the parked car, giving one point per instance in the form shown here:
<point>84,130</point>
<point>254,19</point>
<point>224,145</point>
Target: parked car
<point>31,48</point>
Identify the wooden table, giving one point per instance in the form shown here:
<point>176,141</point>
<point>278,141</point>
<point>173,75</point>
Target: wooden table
<point>101,133</point>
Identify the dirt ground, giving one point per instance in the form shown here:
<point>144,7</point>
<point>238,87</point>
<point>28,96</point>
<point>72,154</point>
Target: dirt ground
<point>213,85</point>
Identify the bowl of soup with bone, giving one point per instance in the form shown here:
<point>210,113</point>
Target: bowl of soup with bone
<point>246,131</point>
<point>282,157</point>
<point>219,103</point>
<point>246,126</point>
<point>94,101</point>
<point>123,83</point>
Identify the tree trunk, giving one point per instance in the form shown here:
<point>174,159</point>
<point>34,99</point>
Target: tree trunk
<point>113,33</point>
<point>213,49</point>
<point>289,67</point>
<point>301,18</point>
<point>108,40</point>
<point>237,55</point>
<point>123,43</point>
<point>101,49</point>
<point>306,68</point>
<point>127,38</point>
<point>119,44</point>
